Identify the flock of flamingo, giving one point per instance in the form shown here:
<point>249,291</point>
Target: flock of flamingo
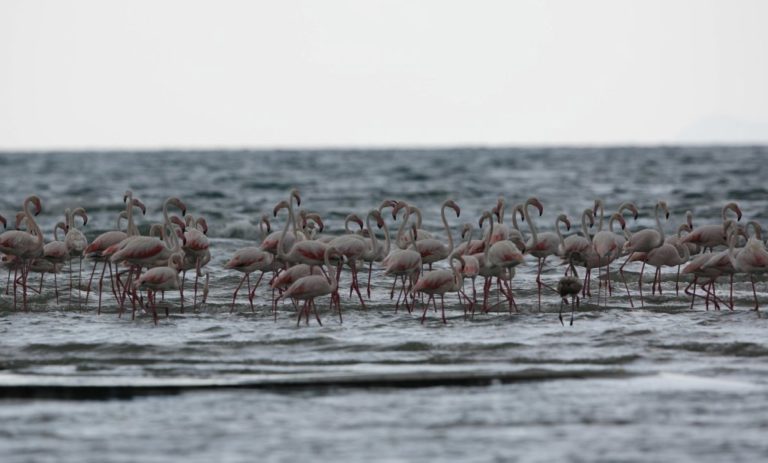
<point>305,264</point>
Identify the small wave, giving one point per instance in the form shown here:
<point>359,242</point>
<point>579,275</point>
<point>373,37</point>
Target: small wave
<point>738,349</point>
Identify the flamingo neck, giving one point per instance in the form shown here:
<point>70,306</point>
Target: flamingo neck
<point>387,242</point>
<point>447,228</point>
<point>559,233</point>
<point>131,229</point>
<point>658,223</point>
<point>531,224</point>
<point>487,239</point>
<point>401,230</point>
<point>32,226</point>
<point>330,275</point>
<point>602,213</point>
<point>584,228</point>
<point>374,242</point>
<point>280,251</point>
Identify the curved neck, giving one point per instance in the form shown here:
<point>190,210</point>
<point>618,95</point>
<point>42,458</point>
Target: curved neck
<point>447,228</point>
<point>515,211</point>
<point>457,270</point>
<point>374,242</point>
<point>488,239</point>
<point>331,275</point>
<point>417,213</point>
<point>599,207</point>
<point>584,228</point>
<point>280,251</point>
<point>559,233</point>
<point>400,240</point>
<point>387,242</point>
<point>502,206</point>
<point>658,223</point>
<point>131,229</point>
<point>610,224</point>
<point>531,225</point>
<point>32,226</point>
<point>56,229</point>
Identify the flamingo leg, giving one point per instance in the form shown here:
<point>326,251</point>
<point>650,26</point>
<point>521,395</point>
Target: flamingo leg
<point>442,307</point>
<point>90,281</point>
<point>624,278</point>
<point>234,294</point>
<point>250,299</point>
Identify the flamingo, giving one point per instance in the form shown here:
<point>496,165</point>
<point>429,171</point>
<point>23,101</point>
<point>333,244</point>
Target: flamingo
<point>161,278</point>
<point>709,236</point>
<point>500,265</point>
<point>440,282</point>
<point>422,234</point>
<point>250,259</point>
<point>146,251</point>
<point>471,265</point>
<point>608,247</point>
<point>376,253</point>
<point>433,250</point>
<point>644,241</point>
<point>752,259</point>
<point>96,250</point>
<point>403,263</point>
<point>576,245</point>
<point>354,247</point>
<point>540,245</point>
<point>569,285</point>
<point>24,245</point>
<point>310,287</point>
<point>196,249</point>
<point>76,243</point>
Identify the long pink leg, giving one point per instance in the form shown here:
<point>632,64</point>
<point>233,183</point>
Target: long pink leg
<point>250,300</point>
<point>234,295</point>
<point>624,278</point>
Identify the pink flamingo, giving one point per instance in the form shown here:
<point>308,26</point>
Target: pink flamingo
<point>250,259</point>
<point>440,282</point>
<point>433,250</point>
<point>404,263</point>
<point>644,241</point>
<point>76,243</point>
<point>608,247</point>
<point>96,250</point>
<point>709,236</point>
<point>147,251</point>
<point>162,278</point>
<point>196,249</point>
<point>24,245</point>
<point>540,245</point>
<point>310,287</point>
<point>752,259</point>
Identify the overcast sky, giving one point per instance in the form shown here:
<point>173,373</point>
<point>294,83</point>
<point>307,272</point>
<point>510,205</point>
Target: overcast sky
<point>182,73</point>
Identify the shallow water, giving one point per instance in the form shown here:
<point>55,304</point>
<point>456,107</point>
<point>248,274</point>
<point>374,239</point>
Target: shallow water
<point>659,383</point>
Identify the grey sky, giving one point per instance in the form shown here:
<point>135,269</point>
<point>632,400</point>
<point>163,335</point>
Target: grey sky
<point>181,73</point>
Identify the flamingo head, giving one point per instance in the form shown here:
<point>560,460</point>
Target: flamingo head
<point>265,221</point>
<point>618,217</point>
<point>564,218</point>
<point>38,206</point>
<point>663,206</point>
<point>590,216</point>
<point>202,225</point>
<point>466,228</point>
<point>20,217</point>
<point>140,205</point>
<point>281,205</point>
<point>354,218</point>
<point>379,219</point>
<point>295,195</point>
<point>387,203</point>
<point>598,206</point>
<point>128,194</point>
<point>315,217</point>
<point>398,206</point>
<point>180,223</point>
<point>735,208</point>
<point>534,201</point>
<point>689,219</point>
<point>486,215</point>
<point>80,212</point>
<point>452,204</point>
<point>176,261</point>
<point>154,230</point>
<point>174,201</point>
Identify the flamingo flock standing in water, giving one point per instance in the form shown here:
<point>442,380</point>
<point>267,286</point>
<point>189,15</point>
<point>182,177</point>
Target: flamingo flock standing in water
<point>302,263</point>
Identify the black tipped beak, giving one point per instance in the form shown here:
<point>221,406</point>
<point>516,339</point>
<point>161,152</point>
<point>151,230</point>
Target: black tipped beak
<point>183,212</point>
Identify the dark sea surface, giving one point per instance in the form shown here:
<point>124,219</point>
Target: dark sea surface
<point>658,383</point>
